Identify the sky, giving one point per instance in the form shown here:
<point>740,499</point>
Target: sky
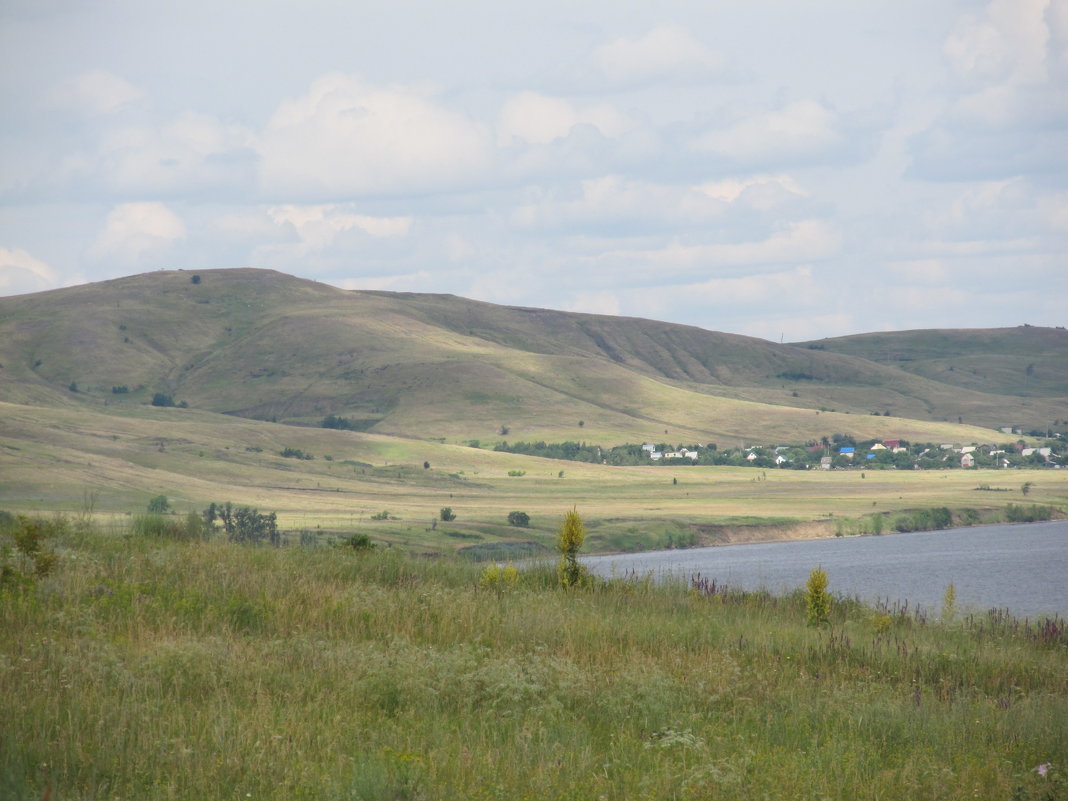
<point>779,169</point>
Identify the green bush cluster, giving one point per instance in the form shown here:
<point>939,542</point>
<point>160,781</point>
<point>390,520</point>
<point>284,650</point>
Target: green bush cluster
<point>925,520</point>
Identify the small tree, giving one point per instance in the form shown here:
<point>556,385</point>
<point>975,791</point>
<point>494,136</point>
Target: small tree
<point>159,505</point>
<point>568,542</point>
<point>521,519</point>
<point>817,599</point>
<point>447,514</point>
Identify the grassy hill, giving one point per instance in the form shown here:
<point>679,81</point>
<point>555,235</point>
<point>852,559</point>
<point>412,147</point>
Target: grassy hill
<point>1027,361</point>
<point>264,345</point>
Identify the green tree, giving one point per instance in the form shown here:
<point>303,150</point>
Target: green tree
<point>159,505</point>
<point>447,514</point>
<point>521,519</point>
<point>569,540</point>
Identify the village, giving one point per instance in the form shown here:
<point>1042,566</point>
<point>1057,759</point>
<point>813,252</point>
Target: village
<point>842,452</point>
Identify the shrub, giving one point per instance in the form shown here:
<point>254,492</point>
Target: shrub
<point>357,542</point>
<point>817,599</point>
<point>295,453</point>
<point>159,505</point>
<point>1018,513</point>
<point>244,524</point>
<point>521,519</point>
<point>383,515</point>
<point>569,540</point>
<point>162,399</point>
<point>30,560</point>
<point>499,579</point>
<point>447,514</point>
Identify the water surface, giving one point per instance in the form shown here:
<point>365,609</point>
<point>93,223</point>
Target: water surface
<point>1022,568</point>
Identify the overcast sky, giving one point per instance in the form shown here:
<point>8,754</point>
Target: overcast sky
<point>775,168</point>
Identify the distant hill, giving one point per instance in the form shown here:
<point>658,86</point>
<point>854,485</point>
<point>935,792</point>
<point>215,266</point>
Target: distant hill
<point>1027,361</point>
<point>265,345</point>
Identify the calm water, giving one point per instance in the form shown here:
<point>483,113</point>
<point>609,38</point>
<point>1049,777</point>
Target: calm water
<point>1023,568</point>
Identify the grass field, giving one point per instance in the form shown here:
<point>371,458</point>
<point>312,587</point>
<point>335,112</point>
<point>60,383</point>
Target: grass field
<point>66,460</point>
<point>142,668</point>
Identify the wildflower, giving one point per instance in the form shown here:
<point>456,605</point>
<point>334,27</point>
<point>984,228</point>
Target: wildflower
<point>1043,769</point>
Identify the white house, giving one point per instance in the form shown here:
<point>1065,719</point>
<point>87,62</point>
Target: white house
<point>967,460</point>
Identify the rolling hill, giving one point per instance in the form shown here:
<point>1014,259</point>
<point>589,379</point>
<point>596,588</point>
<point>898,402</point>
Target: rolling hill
<point>264,345</point>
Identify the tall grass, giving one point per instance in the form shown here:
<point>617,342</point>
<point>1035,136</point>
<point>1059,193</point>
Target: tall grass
<point>150,667</point>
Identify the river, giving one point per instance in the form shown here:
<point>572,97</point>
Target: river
<point>1022,568</point>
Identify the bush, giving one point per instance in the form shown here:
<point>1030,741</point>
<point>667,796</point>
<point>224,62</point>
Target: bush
<point>30,560</point>
<point>521,519</point>
<point>568,542</point>
<point>817,599</point>
<point>159,505</point>
<point>357,542</point>
<point>499,579</point>
<point>1018,513</point>
<point>447,514</point>
<point>295,453</point>
<point>162,399</point>
<point>244,524</point>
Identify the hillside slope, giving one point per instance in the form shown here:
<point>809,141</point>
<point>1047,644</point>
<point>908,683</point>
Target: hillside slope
<point>1027,361</point>
<point>265,345</point>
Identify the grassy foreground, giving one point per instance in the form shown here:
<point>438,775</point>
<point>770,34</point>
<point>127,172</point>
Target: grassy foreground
<point>143,668</point>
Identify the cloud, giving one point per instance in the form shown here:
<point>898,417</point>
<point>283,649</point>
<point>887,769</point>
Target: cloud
<point>20,272</point>
<point>346,136</point>
<point>537,119</point>
<point>95,92</point>
<point>799,241</point>
<point>665,53</point>
<point>1009,106</point>
<point>800,131</point>
<point>132,230</point>
<point>618,202</point>
<point>191,153</point>
<point>318,226</point>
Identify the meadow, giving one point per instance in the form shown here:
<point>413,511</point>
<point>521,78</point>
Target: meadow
<point>144,668</point>
<point>74,461</point>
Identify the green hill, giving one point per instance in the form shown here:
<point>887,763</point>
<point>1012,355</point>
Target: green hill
<point>1027,361</point>
<point>264,345</point>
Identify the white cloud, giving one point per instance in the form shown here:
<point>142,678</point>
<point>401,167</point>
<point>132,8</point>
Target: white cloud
<point>1009,108</point>
<point>803,240</point>
<point>1008,43</point>
<point>667,52</point>
<point>20,272</point>
<point>318,226</point>
<point>135,229</point>
<point>537,119</point>
<point>193,152</point>
<point>802,129</point>
<point>95,92</point>
<point>763,192</point>
<point>346,136</point>
<point>614,199</point>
